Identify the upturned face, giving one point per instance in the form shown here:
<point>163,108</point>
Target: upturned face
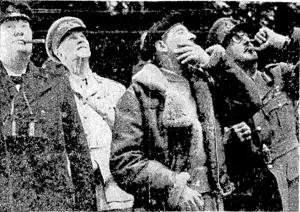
<point>177,37</point>
<point>74,46</point>
<point>13,33</point>
<point>240,48</point>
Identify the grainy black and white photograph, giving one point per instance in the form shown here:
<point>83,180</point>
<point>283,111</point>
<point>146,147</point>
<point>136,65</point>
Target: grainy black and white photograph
<point>137,106</point>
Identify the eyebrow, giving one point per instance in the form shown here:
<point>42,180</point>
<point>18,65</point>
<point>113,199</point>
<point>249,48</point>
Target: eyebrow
<point>168,30</point>
<point>179,29</point>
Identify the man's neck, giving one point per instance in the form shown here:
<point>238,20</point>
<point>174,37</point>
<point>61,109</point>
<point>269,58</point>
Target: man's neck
<point>16,65</point>
<point>79,67</point>
<point>249,68</point>
<point>172,65</point>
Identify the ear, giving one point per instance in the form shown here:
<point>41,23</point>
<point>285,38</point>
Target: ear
<point>58,54</point>
<point>161,46</point>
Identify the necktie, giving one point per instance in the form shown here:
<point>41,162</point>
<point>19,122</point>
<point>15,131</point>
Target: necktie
<point>17,79</point>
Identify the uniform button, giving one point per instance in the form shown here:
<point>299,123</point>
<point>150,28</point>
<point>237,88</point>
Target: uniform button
<point>270,166</point>
<point>258,128</point>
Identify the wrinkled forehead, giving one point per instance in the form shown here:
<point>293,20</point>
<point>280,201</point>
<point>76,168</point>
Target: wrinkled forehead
<point>172,29</point>
<point>71,32</point>
<point>14,20</point>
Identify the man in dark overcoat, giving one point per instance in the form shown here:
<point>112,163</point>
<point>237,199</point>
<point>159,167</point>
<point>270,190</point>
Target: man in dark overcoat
<point>270,135</point>
<point>41,133</point>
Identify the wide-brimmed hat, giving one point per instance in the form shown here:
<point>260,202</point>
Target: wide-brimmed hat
<point>58,31</point>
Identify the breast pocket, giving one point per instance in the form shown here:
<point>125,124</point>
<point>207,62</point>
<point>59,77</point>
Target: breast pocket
<point>280,113</point>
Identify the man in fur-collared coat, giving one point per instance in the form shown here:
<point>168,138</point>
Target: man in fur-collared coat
<point>166,149</point>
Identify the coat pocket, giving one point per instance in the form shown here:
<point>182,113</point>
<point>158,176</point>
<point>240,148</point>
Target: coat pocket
<point>281,116</point>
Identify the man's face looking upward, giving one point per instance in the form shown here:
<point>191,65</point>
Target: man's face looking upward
<point>175,38</point>
<point>73,46</point>
<point>240,48</point>
<point>13,33</point>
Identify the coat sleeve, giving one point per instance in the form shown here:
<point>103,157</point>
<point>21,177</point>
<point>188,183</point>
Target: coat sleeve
<point>131,162</point>
<point>78,152</point>
<point>237,94</point>
<point>289,75</point>
<point>296,36</point>
<point>290,52</point>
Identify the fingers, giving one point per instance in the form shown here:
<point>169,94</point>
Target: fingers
<point>191,200</point>
<point>214,48</point>
<point>243,131</point>
<point>183,49</point>
<point>192,53</point>
<point>189,58</point>
<point>199,202</point>
<point>184,55</point>
<point>185,44</point>
<point>187,207</point>
<point>261,37</point>
<point>239,125</point>
<point>193,205</point>
<point>261,47</point>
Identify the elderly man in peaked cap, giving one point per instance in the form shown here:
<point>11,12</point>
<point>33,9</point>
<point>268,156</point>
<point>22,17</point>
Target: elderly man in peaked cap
<point>96,98</point>
<point>40,127</point>
<point>271,132</point>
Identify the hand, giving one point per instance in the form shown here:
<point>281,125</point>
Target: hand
<point>182,197</point>
<point>192,52</point>
<point>243,131</point>
<point>217,54</point>
<point>190,200</point>
<point>267,37</point>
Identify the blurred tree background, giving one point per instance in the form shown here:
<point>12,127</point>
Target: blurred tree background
<point>115,27</point>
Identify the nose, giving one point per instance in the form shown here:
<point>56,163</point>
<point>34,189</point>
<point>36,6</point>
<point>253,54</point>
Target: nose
<point>81,38</point>
<point>192,36</point>
<point>18,30</point>
<point>247,41</point>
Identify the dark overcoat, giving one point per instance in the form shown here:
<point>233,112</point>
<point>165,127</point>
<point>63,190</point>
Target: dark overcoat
<point>262,187</point>
<point>34,159</point>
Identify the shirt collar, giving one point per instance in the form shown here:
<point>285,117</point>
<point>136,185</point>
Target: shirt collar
<point>12,73</point>
<point>172,76</point>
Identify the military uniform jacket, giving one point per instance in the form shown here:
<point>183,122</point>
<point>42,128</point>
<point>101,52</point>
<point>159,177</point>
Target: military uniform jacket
<point>33,157</point>
<point>275,123</point>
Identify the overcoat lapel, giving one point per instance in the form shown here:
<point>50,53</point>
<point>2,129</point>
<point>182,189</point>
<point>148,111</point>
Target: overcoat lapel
<point>7,92</point>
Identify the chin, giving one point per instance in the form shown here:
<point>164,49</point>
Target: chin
<point>84,54</point>
<point>251,57</point>
<point>24,50</point>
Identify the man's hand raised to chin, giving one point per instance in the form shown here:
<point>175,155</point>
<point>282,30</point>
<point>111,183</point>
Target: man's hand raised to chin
<point>191,52</point>
<point>267,37</point>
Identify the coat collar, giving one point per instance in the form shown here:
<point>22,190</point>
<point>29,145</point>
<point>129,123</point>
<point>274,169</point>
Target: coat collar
<point>153,79</point>
<point>34,83</point>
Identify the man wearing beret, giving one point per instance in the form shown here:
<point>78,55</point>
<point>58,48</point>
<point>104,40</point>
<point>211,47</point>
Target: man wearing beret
<point>166,148</point>
<point>96,98</point>
<point>40,129</point>
<point>271,132</point>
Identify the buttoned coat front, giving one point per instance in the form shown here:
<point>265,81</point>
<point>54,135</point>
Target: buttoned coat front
<point>275,126</point>
<point>145,154</point>
<point>34,163</point>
